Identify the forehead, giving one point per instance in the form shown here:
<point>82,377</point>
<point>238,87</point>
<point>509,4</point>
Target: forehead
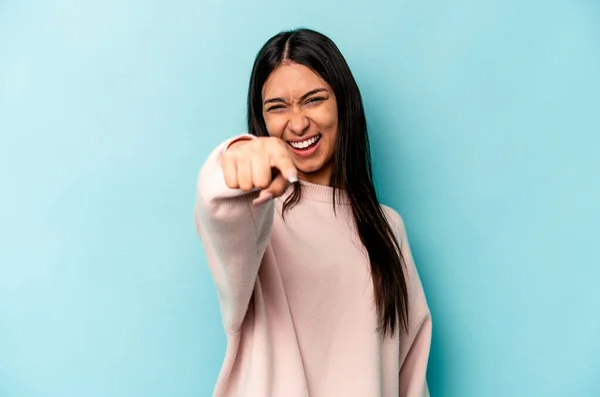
<point>292,79</point>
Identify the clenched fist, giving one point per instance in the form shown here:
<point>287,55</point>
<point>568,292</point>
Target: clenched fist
<point>262,163</point>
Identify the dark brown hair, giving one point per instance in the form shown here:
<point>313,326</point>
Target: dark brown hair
<point>351,162</point>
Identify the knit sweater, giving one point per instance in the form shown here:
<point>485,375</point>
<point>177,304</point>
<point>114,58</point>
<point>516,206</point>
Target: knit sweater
<point>297,299</point>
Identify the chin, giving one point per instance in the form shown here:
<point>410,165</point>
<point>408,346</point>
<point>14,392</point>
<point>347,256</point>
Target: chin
<point>309,166</point>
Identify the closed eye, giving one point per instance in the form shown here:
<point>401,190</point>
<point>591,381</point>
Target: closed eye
<point>276,107</point>
<point>315,100</point>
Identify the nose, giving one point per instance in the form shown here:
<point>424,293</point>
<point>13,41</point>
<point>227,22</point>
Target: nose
<point>298,123</point>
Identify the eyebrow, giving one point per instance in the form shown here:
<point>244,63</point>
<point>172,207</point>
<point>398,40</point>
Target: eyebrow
<point>303,97</point>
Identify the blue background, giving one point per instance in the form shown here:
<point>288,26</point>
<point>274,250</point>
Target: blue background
<point>484,120</point>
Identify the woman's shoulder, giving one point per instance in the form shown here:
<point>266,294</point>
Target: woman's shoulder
<point>394,218</point>
<point>396,223</point>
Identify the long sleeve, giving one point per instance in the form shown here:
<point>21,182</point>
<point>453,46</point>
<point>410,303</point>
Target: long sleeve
<point>416,341</point>
<point>234,234</point>
<point>414,355</point>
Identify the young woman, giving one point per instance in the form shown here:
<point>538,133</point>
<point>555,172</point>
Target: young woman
<point>318,290</point>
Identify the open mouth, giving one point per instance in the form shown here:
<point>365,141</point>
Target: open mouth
<point>306,144</point>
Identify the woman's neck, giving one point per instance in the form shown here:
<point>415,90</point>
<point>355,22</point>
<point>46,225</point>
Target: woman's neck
<point>319,177</point>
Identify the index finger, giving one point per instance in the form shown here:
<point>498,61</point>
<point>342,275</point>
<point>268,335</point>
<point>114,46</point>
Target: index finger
<point>283,162</point>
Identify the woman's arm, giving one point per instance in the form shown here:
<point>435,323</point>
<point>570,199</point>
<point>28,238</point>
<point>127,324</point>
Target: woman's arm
<point>414,355</point>
<point>414,342</point>
<point>234,234</point>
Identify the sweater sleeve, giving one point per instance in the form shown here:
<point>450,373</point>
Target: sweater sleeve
<point>414,342</point>
<point>234,234</point>
<point>414,355</point>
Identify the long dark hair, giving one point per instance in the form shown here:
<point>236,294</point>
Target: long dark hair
<point>351,161</point>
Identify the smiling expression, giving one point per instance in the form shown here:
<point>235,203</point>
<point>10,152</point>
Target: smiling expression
<point>300,108</point>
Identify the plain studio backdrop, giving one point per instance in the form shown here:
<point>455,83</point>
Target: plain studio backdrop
<point>485,129</point>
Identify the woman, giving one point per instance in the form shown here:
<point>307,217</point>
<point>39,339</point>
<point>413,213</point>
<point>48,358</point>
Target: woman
<point>319,294</point>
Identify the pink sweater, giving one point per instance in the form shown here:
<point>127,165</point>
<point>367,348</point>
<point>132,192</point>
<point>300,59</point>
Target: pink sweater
<point>297,299</point>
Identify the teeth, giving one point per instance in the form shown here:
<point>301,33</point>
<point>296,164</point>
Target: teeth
<point>305,144</point>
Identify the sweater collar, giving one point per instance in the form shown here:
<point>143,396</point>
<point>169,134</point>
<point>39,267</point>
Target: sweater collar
<point>322,193</point>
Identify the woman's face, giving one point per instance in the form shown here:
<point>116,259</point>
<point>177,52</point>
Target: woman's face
<point>300,108</point>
